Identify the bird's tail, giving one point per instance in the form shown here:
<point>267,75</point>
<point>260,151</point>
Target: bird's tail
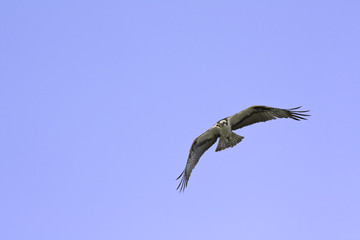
<point>228,142</point>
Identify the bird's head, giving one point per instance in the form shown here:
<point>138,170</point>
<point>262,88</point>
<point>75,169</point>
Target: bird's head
<point>222,123</point>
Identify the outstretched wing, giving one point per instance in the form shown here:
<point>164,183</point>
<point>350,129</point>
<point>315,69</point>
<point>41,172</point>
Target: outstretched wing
<point>257,114</point>
<point>199,146</point>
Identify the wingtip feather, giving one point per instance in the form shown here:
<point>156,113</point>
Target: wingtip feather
<point>298,114</point>
<point>183,183</point>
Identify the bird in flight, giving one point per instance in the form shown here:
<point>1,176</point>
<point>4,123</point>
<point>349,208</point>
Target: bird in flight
<point>223,130</point>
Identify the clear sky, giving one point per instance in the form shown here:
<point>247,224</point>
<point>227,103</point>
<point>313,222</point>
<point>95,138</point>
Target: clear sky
<point>101,100</point>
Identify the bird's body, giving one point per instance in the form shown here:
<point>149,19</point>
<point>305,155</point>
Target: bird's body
<point>223,130</point>
<point>227,138</point>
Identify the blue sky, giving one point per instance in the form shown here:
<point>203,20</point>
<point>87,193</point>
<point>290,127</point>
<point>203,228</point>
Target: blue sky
<point>101,100</point>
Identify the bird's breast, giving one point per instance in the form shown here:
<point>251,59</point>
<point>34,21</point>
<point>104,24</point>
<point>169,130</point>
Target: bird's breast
<point>225,131</point>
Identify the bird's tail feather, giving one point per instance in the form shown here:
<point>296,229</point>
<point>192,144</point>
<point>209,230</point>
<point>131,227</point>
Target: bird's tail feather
<point>225,143</point>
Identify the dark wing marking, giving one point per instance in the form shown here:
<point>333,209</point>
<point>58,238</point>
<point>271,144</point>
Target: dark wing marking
<point>257,114</point>
<point>199,146</point>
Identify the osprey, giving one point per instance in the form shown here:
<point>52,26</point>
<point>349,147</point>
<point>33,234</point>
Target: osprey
<point>223,130</point>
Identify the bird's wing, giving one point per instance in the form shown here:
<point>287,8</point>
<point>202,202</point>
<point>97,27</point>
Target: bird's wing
<point>199,146</point>
<point>257,114</point>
